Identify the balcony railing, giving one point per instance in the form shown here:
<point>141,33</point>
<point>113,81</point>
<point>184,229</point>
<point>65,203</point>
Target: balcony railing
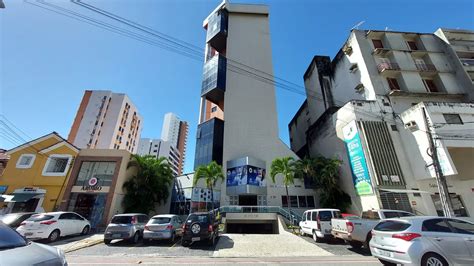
<point>426,67</point>
<point>382,67</point>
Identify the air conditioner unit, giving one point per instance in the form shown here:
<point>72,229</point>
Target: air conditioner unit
<point>412,126</point>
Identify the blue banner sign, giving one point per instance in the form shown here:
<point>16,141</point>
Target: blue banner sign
<point>360,172</point>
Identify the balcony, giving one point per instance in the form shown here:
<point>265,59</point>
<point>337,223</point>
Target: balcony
<point>426,67</point>
<point>388,67</point>
<point>214,78</point>
<point>217,30</point>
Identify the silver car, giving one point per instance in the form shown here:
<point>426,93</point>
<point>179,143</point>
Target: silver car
<point>164,226</point>
<point>16,250</point>
<point>128,226</point>
<point>423,240</point>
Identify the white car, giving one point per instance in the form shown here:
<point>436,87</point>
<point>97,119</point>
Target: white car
<point>317,223</point>
<point>52,225</point>
<point>423,240</point>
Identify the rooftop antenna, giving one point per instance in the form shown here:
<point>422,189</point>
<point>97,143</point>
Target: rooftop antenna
<point>386,28</point>
<point>356,26</point>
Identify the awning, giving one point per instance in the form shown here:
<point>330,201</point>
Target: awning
<point>405,191</point>
<point>22,197</point>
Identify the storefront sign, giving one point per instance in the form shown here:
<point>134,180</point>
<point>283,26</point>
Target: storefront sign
<point>246,175</point>
<point>92,185</point>
<point>360,172</point>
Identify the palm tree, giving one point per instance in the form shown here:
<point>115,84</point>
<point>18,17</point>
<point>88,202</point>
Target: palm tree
<point>286,167</point>
<point>211,173</point>
<point>150,184</point>
<point>305,169</point>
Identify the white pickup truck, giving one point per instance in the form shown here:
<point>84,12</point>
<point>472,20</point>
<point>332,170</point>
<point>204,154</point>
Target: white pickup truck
<point>357,231</point>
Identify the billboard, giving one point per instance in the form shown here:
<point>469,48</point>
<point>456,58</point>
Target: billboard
<point>246,175</point>
<point>360,172</point>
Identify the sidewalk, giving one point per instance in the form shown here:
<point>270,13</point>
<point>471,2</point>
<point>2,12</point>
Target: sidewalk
<point>72,244</point>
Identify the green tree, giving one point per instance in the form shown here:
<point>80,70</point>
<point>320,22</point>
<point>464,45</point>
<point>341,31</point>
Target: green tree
<point>211,173</point>
<point>285,166</point>
<point>150,184</point>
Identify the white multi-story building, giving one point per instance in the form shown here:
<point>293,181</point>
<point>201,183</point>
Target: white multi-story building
<point>161,148</point>
<point>238,125</point>
<point>365,107</point>
<point>106,120</point>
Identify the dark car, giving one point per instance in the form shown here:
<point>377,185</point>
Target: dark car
<point>15,219</point>
<point>200,226</point>
<point>128,226</point>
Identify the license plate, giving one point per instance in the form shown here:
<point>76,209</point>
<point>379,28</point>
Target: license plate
<point>157,234</point>
<point>28,234</point>
<point>385,253</point>
<point>195,239</point>
<point>116,235</point>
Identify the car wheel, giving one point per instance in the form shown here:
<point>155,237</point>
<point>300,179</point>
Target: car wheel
<point>355,244</point>
<point>54,236</point>
<point>135,238</point>
<point>107,241</point>
<point>433,259</point>
<point>367,241</point>
<point>85,230</point>
<point>173,237</point>
<point>185,243</point>
<point>387,263</point>
<point>316,238</point>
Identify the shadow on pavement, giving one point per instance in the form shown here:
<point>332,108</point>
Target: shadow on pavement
<point>360,251</point>
<point>224,242</point>
<point>63,240</point>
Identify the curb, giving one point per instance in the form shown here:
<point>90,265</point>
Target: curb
<point>86,245</point>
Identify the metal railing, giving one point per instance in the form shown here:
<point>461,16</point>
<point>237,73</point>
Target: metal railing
<point>292,216</point>
<point>425,67</point>
<point>387,66</point>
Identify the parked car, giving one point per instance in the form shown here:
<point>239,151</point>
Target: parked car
<point>16,250</point>
<point>424,240</point>
<point>128,226</point>
<point>200,226</point>
<point>15,219</point>
<point>356,231</point>
<point>164,226</point>
<point>53,225</point>
<point>317,223</point>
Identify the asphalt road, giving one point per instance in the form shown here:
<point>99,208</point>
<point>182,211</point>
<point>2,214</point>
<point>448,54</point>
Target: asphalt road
<point>338,248</point>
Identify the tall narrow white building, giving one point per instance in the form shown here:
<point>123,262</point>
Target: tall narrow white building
<point>106,120</point>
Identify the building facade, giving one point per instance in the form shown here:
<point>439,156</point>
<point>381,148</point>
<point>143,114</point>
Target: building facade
<point>161,148</point>
<point>106,120</point>
<point>359,107</point>
<point>238,125</point>
<point>94,189</point>
<point>34,179</point>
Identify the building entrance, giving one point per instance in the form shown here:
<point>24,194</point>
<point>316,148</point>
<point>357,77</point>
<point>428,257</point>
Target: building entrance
<point>89,205</point>
<point>248,200</point>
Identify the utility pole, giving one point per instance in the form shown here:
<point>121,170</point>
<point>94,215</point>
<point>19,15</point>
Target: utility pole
<point>440,178</point>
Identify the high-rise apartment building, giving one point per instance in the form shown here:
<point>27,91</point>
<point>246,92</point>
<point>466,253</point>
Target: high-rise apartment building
<point>367,107</point>
<point>172,144</point>
<point>238,125</point>
<point>106,120</point>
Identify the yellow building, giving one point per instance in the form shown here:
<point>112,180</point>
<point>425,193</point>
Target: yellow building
<point>36,175</point>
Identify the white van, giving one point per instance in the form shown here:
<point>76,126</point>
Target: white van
<point>317,222</point>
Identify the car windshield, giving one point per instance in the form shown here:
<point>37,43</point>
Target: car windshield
<point>40,217</point>
<point>9,238</point>
<point>391,226</point>
<point>122,220</point>
<point>160,220</point>
<point>197,218</point>
<point>10,218</point>
<point>325,216</point>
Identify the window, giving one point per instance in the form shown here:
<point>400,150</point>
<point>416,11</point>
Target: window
<point>302,201</point>
<point>57,165</point>
<point>462,227</point>
<point>395,214</point>
<point>310,201</point>
<point>430,85</point>
<point>458,205</point>
<point>394,127</point>
<point>392,226</point>
<point>25,161</point>
<point>314,216</point>
<point>294,201</point>
<point>370,215</point>
<point>393,84</point>
<point>213,109</point>
<point>325,216</point>
<point>377,43</point>
<point>284,201</point>
<point>412,45</point>
<point>453,119</point>
<point>436,225</point>
<point>103,171</point>
<point>308,216</point>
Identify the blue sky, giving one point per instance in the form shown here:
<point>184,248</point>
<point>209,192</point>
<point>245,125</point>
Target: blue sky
<point>47,60</point>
